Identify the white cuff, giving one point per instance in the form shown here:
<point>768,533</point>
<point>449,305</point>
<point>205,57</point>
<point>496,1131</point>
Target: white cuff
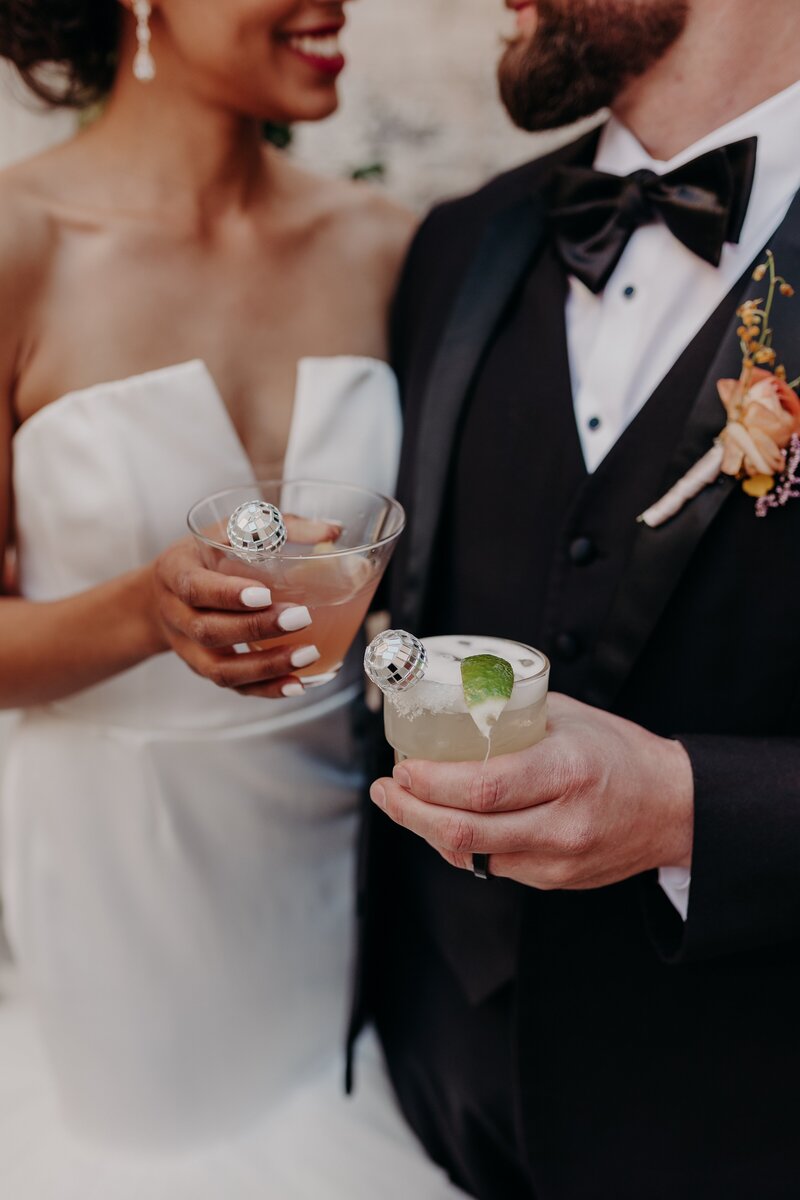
<point>676,882</point>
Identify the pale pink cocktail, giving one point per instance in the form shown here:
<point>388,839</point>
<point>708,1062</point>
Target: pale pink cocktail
<point>335,578</point>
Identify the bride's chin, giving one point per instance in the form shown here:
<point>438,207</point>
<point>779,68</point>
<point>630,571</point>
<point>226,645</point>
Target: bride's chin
<point>312,107</point>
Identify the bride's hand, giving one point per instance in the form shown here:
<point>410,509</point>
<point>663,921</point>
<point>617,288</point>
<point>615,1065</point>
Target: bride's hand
<point>202,615</point>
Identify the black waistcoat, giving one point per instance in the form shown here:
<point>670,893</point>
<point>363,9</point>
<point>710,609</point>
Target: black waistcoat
<point>529,537</point>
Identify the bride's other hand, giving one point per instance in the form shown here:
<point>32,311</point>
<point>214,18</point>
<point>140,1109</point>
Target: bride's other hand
<point>202,615</point>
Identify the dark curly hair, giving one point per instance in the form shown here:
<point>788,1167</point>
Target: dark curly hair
<point>65,50</point>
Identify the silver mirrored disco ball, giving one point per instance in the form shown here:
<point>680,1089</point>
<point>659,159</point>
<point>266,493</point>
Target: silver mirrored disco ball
<point>256,529</point>
<point>395,660</point>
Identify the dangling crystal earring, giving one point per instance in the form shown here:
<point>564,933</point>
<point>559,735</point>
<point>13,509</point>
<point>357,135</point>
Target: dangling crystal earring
<point>144,67</point>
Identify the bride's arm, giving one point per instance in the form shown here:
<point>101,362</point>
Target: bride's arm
<point>51,650</point>
<point>54,649</point>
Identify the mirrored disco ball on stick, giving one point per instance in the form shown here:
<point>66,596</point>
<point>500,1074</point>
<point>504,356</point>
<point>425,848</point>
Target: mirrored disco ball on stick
<point>395,660</point>
<point>256,530</point>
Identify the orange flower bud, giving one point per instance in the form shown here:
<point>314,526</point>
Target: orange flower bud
<point>758,485</point>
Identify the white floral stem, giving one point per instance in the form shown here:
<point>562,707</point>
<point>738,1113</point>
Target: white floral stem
<point>690,485</point>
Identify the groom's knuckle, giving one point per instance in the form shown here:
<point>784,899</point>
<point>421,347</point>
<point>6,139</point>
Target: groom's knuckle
<point>563,774</point>
<point>485,792</point>
<point>568,774</point>
<point>459,834</point>
<point>586,771</point>
<point>577,838</point>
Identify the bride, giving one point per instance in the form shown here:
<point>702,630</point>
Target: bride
<point>178,856</point>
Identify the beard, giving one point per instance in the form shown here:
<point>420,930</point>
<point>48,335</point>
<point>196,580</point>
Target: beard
<point>582,56</point>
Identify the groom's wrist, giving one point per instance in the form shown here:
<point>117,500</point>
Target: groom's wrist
<point>675,783</point>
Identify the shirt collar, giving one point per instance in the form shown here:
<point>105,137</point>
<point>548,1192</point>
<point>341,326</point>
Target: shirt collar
<point>776,124</point>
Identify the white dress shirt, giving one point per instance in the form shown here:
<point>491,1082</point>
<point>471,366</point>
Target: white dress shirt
<point>623,342</point>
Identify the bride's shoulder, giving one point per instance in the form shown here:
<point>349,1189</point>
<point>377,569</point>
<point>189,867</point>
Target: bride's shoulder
<point>28,237</point>
<point>24,220</point>
<point>356,220</point>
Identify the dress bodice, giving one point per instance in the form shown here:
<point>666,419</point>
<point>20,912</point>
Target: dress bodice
<point>104,477</point>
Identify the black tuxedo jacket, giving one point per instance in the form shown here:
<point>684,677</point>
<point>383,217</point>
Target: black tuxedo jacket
<point>652,1058</point>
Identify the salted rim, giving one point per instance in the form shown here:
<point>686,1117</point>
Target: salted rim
<point>488,637</point>
<point>404,699</point>
<point>264,483</point>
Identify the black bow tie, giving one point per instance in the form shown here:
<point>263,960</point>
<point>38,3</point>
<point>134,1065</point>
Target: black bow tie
<point>703,203</point>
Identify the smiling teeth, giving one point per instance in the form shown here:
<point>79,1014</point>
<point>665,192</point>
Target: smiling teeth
<point>317,47</point>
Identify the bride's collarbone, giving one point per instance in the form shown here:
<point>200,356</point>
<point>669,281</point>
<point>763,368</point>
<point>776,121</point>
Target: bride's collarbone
<point>250,324</point>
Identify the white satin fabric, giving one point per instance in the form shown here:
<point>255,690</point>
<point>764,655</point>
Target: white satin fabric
<point>178,860</point>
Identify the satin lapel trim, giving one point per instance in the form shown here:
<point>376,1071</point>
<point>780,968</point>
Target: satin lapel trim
<point>503,258</point>
<point>661,555</point>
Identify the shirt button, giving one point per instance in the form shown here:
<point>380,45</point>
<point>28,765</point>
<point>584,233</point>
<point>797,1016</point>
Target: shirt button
<point>629,292</point>
<point>582,551</point>
<point>567,646</point>
<point>594,422</point>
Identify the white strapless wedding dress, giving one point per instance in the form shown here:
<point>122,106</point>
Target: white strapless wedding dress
<point>178,860</point>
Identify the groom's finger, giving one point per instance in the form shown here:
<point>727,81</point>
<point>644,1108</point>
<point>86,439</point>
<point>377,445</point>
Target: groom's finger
<point>507,783</point>
<point>450,829</point>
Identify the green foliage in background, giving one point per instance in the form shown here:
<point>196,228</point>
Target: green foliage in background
<point>282,137</point>
<point>279,135</point>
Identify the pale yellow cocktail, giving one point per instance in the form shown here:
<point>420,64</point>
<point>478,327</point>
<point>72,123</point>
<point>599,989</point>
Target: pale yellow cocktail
<point>430,719</point>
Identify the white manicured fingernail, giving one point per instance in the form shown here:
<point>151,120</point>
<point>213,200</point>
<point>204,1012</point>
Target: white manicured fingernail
<point>256,597</point>
<point>304,656</point>
<point>293,619</point>
<point>293,689</point>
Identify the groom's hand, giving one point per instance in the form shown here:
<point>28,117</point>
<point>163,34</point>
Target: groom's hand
<point>599,800</point>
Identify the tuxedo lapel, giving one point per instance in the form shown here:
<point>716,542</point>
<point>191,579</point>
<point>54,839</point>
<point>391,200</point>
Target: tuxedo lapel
<point>501,262</point>
<point>660,556</point>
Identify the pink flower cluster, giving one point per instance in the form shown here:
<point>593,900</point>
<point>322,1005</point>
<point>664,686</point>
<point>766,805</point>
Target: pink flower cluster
<point>788,485</point>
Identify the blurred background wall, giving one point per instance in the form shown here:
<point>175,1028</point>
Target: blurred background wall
<point>420,97</point>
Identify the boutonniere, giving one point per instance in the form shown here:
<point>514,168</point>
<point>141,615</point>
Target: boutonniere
<point>760,443</point>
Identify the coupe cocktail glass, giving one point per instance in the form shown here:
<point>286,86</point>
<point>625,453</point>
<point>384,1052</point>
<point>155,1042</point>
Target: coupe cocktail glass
<point>430,719</point>
<point>335,580</point>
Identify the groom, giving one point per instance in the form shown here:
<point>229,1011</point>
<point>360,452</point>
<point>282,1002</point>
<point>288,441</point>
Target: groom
<point>615,1013</point>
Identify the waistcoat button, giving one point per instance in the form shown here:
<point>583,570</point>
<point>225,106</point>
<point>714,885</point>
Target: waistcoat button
<point>582,551</point>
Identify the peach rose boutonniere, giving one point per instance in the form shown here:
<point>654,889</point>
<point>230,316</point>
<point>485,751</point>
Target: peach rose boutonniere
<point>760,443</point>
